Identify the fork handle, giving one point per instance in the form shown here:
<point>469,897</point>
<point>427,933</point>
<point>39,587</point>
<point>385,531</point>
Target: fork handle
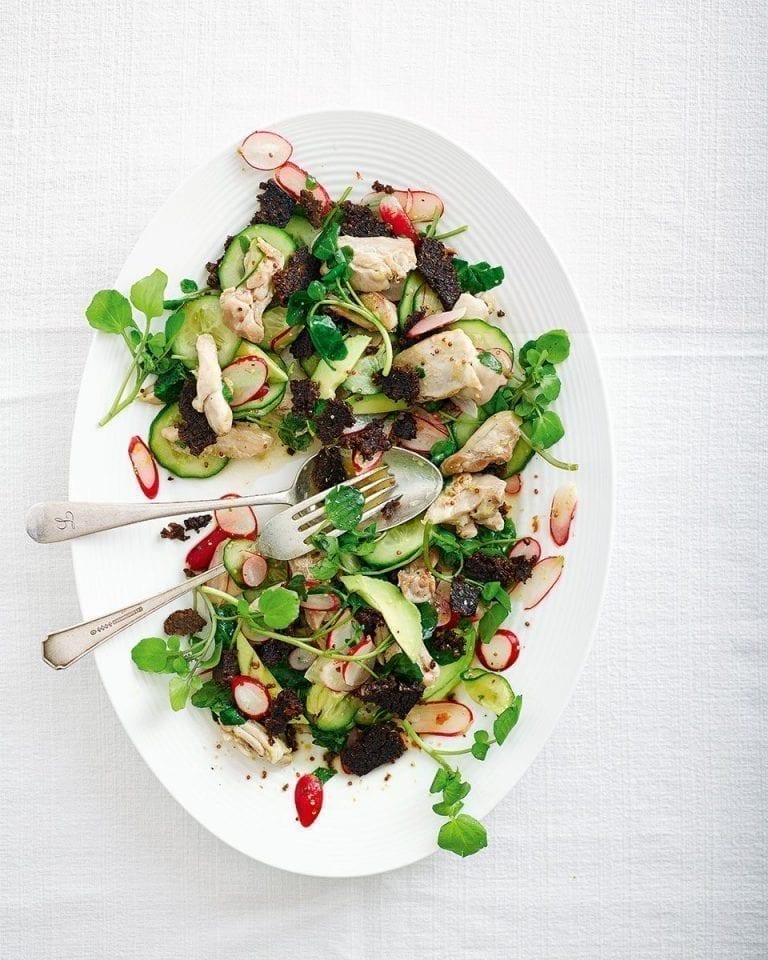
<point>63,647</point>
<point>56,521</point>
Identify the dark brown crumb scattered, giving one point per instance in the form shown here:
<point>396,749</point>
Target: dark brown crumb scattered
<point>334,419</point>
<point>447,642</point>
<point>284,787</point>
<point>464,597</point>
<point>314,209</point>
<point>380,187</point>
<point>485,569</point>
<point>174,531</point>
<point>436,265</point>
<point>387,778</point>
<point>297,274</point>
<point>401,383</point>
<point>273,651</point>
<point>275,205</point>
<point>390,507</point>
<point>304,396</point>
<point>361,221</point>
<point>247,776</point>
<point>390,694</point>
<point>194,429</point>
<point>263,774</point>
<point>183,623</point>
<point>213,266</point>
<point>500,313</point>
<point>521,569</point>
<point>327,469</point>
<point>197,523</point>
<point>369,619</point>
<point>376,745</point>
<point>404,427</point>
<point>368,441</point>
<point>302,347</point>
<point>411,320</point>
<point>285,707</point>
<point>227,668</point>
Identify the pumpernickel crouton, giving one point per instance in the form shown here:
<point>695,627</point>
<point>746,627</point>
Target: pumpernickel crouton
<point>436,265</point>
<point>275,205</point>
<point>183,623</point>
<point>375,746</point>
<point>395,696</point>
<point>301,269</point>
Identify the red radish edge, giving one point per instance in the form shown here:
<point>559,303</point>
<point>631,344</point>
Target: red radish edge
<point>251,697</point>
<point>293,180</point>
<point>500,652</point>
<point>544,576</point>
<point>391,211</point>
<point>513,486</point>
<point>321,601</point>
<point>254,570</point>
<point>237,521</point>
<point>435,322</point>
<point>264,150</point>
<point>428,431</point>
<point>562,513</point>
<point>354,674</point>
<point>200,555</point>
<point>404,198</point>
<point>308,799</point>
<point>424,206</point>
<point>433,717</point>
<point>332,676</point>
<point>275,343</point>
<point>144,467</point>
<point>252,387</point>
<point>528,548</point>
<point>360,465</point>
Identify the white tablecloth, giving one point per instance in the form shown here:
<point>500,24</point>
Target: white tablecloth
<point>635,134</point>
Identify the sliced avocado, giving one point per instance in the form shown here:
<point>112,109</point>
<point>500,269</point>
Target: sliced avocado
<point>330,378</point>
<point>250,665</point>
<point>275,372</point>
<point>376,403</point>
<point>402,617</point>
<point>330,710</point>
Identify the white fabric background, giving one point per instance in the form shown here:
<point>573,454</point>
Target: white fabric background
<point>635,134</point>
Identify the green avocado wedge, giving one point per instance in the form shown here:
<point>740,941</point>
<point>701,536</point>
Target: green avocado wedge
<point>401,616</point>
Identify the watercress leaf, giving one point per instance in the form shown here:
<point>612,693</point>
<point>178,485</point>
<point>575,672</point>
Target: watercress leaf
<point>489,360</point>
<point>188,286</point>
<point>151,655</point>
<point>463,836</point>
<point>279,607</point>
<point>294,432</point>
<point>403,667</point>
<point>174,644</point>
<point>440,780</point>
<point>231,716</point>
<point>325,569</point>
<point>327,240</point>
<point>479,749</point>
<point>226,391</point>
<point>546,429</point>
<point>333,740</point>
<point>147,294</point>
<point>344,507</point>
<point>326,338</point>
<point>441,450</point>
<point>212,695</point>
<point>316,291</point>
<point>298,583</point>
<point>475,278</point>
<point>179,665</point>
<point>491,620</point>
<point>428,616</point>
<point>168,385</point>
<point>445,809</point>
<point>556,343</point>
<point>481,736</point>
<point>245,243</point>
<point>179,689</point>
<point>298,304</point>
<point>504,723</point>
<point>110,312</point>
<point>323,774</point>
<point>455,789</point>
<point>292,679</point>
<point>173,324</point>
<point>548,382</point>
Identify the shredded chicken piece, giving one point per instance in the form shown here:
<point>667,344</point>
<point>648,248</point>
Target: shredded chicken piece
<point>469,499</point>
<point>244,440</point>
<point>490,381</point>
<point>251,739</point>
<point>243,306</point>
<point>449,361</point>
<point>379,262</point>
<point>474,307</point>
<point>492,442</point>
<point>429,667</point>
<point>210,398</point>
<point>416,582</point>
<point>147,395</point>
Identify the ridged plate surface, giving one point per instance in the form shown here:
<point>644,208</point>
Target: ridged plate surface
<point>385,820</point>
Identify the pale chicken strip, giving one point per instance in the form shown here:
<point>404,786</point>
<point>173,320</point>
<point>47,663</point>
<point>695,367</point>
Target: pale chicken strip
<point>416,582</point>
<point>492,442</point>
<point>379,262</point>
<point>243,307</point>
<point>210,397</point>
<point>253,740</point>
<point>243,441</point>
<point>469,499</point>
<point>448,360</point>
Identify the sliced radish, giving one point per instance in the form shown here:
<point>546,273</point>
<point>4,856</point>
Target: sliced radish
<point>223,580</point>
<point>429,430</point>
<point>545,575</point>
<point>301,659</point>
<point>513,486</point>
<point>200,556</point>
<point>500,652</point>
<point>331,675</point>
<point>404,198</point>
<point>445,718</point>
<point>247,377</point>
<point>308,799</point>
<point>251,697</point>
<point>562,513</point>
<point>504,359</point>
<point>373,199</point>
<point>254,570</point>
<point>321,601</point>
<point>293,180</point>
<point>264,150</point>
<point>445,616</point>
<point>360,464</point>
<point>468,407</point>
<point>283,339</point>
<point>435,321</point>
<point>144,467</point>
<point>355,673</point>
<point>424,206</point>
<point>237,521</point>
<point>316,618</point>
<point>391,212</point>
<point>528,548</point>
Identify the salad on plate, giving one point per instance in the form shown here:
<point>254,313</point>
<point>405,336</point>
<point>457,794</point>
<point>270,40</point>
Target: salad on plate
<point>342,328</point>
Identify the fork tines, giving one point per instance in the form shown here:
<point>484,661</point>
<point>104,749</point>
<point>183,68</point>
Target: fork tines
<point>376,486</point>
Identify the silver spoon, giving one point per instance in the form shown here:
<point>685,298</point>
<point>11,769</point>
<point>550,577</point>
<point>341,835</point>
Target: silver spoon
<point>56,521</point>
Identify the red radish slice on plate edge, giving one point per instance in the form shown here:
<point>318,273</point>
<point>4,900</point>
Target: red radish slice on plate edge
<point>254,570</point>
<point>293,180</point>
<point>562,513</point>
<point>513,486</point>
<point>264,150</point>
<point>247,377</point>
<point>355,673</point>
<point>308,799</point>
<point>251,697</point>
<point>200,556</point>
<point>435,321</point>
<point>544,576</point>
<point>392,213</point>
<point>237,521</point>
<point>144,467</point>
<point>444,718</point>
<point>424,206</point>
<point>500,652</point>
<point>528,548</point>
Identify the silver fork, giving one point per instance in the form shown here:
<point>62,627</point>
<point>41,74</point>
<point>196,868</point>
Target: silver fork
<point>285,536</point>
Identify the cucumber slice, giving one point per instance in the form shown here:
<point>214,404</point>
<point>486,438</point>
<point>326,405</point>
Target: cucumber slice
<point>330,710</point>
<point>376,403</point>
<point>417,295</point>
<point>176,458</point>
<point>485,336</point>
<point>398,545</point>
<point>231,270</point>
<point>275,326</point>
<point>257,408</point>
<point>276,370</point>
<point>329,378</point>
<point>301,230</point>
<point>490,690</point>
<point>203,315</point>
<point>236,552</point>
<point>521,455</point>
<point>463,428</point>
<point>309,364</point>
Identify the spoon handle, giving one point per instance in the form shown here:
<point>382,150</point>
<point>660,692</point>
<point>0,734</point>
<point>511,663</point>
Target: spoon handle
<point>56,521</point>
<point>63,647</point>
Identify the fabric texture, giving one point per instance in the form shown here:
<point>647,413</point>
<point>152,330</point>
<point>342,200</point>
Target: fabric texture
<point>636,137</point>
